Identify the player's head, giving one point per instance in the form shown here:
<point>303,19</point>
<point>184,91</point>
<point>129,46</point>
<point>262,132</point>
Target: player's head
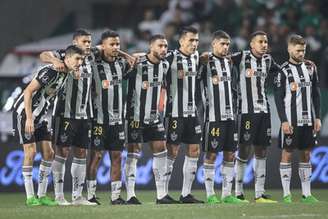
<point>110,43</point>
<point>73,57</point>
<point>220,43</point>
<point>158,46</point>
<point>82,39</point>
<point>188,40</point>
<point>296,47</point>
<point>259,43</point>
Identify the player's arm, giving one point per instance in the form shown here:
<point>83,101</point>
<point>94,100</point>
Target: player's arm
<point>235,58</point>
<point>50,57</point>
<point>132,60</point>
<point>279,95</point>
<point>274,68</point>
<point>316,99</point>
<point>203,58</point>
<point>28,92</point>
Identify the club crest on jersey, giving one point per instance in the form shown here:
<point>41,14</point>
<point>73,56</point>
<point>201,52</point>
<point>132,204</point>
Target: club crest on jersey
<point>293,86</point>
<point>215,79</point>
<point>173,136</point>
<point>181,74</point>
<point>45,79</point>
<point>96,142</point>
<point>214,143</point>
<point>145,85</point>
<point>235,136</point>
<point>105,84</point>
<point>121,135</point>
<point>288,140</point>
<point>269,132</point>
<point>198,129</point>
<point>28,136</point>
<point>250,72</point>
<point>247,136</point>
<point>63,137</point>
<point>134,135</point>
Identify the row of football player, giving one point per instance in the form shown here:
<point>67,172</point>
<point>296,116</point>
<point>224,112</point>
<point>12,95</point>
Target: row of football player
<point>218,133</point>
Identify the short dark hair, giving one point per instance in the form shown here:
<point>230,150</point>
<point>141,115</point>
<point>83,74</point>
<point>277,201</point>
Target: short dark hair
<point>81,32</point>
<point>155,37</point>
<point>109,34</point>
<point>257,33</point>
<point>296,39</point>
<point>187,29</point>
<point>73,49</point>
<point>220,34</point>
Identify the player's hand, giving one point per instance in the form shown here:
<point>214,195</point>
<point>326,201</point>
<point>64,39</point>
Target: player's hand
<point>29,126</point>
<point>204,57</point>
<point>317,125</point>
<point>287,128</point>
<point>59,66</point>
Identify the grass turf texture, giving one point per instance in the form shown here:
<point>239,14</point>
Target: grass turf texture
<point>13,206</point>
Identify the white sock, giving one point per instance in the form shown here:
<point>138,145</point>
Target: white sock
<point>285,176</point>
<point>259,175</point>
<point>78,171</point>
<point>305,171</point>
<point>91,187</point>
<point>159,170</point>
<point>227,172</point>
<point>28,182</point>
<point>209,173</point>
<point>58,171</point>
<point>130,174</point>
<point>169,169</point>
<point>116,187</point>
<point>240,167</point>
<point>44,172</point>
<point>189,172</point>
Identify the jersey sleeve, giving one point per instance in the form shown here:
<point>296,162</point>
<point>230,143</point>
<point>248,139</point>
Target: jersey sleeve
<point>274,68</point>
<point>279,94</point>
<point>60,54</point>
<point>316,92</point>
<point>45,76</point>
<point>236,58</point>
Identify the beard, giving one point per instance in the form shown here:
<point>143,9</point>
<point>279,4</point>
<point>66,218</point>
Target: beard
<point>301,59</point>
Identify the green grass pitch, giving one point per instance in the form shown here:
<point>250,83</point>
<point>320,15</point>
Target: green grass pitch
<point>12,206</point>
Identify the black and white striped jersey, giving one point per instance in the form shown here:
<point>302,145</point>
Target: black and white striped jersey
<point>74,101</point>
<point>297,93</point>
<point>182,84</point>
<point>220,89</point>
<point>107,89</point>
<point>50,82</point>
<point>255,75</point>
<point>144,90</point>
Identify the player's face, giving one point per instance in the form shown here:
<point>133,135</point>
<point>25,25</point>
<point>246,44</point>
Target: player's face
<point>221,46</point>
<point>159,48</point>
<point>297,52</point>
<point>189,43</point>
<point>111,46</point>
<point>259,45</point>
<point>74,62</point>
<point>84,43</point>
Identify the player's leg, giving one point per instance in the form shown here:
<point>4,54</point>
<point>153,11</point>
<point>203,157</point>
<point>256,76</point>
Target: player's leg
<point>246,137</point>
<point>174,128</point>
<point>286,173</point>
<point>81,136</point>
<point>211,146</point>
<point>95,157</point>
<point>27,168</point>
<point>209,175</point>
<point>116,182</point>
<point>44,172</point>
<point>261,142</point>
<point>62,150</point>
<point>95,154</point>
<point>131,171</point>
<point>306,143</point>
<point>191,136</point>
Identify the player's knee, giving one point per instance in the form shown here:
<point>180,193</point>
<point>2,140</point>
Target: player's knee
<point>305,156</point>
<point>30,153</point>
<point>193,151</point>
<point>49,155</point>
<point>229,156</point>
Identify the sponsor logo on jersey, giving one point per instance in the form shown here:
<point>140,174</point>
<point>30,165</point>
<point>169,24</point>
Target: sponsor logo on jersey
<point>214,143</point>
<point>173,136</point>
